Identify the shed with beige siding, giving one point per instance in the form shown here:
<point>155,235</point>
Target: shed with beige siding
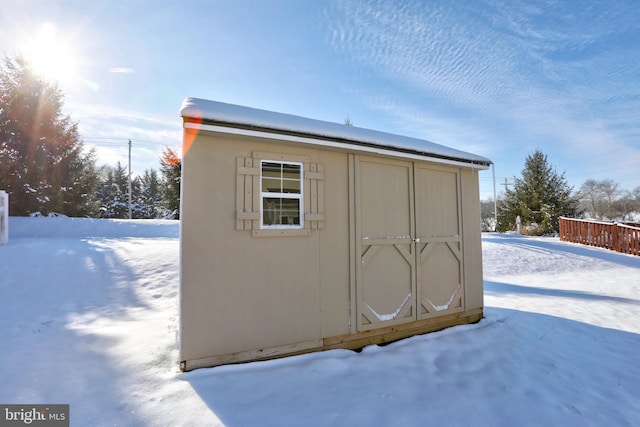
<point>300,235</point>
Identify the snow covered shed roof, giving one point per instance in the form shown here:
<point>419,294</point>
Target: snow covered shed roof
<point>212,115</point>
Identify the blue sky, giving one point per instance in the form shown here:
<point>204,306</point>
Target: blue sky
<point>496,78</point>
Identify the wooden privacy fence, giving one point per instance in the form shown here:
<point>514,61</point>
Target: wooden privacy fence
<point>617,237</point>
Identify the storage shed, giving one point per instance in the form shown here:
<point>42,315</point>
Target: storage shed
<point>300,235</point>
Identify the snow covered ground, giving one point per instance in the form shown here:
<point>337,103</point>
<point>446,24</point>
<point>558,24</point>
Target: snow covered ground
<point>89,311</point>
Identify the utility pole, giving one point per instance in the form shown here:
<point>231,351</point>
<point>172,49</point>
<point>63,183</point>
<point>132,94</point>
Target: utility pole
<point>495,198</point>
<point>129,179</point>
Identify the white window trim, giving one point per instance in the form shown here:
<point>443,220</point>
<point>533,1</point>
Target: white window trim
<point>295,196</point>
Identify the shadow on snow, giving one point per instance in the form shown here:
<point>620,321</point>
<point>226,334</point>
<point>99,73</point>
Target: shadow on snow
<point>507,288</point>
<point>57,303</point>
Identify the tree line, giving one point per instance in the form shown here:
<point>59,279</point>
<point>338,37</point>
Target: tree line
<point>153,195</point>
<point>542,195</point>
<point>45,167</point>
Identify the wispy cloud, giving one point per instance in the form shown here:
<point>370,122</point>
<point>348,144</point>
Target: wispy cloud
<point>122,70</point>
<point>430,46</point>
<point>552,71</point>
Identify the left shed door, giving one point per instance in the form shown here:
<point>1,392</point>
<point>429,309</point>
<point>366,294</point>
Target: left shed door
<point>386,277</point>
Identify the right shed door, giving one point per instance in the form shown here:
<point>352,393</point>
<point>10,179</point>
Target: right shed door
<point>439,264</point>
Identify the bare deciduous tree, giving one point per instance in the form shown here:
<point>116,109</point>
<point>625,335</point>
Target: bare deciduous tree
<point>599,199</point>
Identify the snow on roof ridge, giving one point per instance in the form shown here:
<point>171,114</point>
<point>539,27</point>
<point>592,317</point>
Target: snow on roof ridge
<point>219,112</point>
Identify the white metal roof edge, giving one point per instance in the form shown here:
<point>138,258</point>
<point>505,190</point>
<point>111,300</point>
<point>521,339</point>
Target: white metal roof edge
<point>332,144</point>
<point>230,116</point>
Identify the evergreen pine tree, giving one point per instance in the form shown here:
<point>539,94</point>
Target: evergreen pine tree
<point>540,197</point>
<point>43,165</point>
<point>151,196</point>
<point>171,168</point>
<point>113,192</point>
<point>137,202</point>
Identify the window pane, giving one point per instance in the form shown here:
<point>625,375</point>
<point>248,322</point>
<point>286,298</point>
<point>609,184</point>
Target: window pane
<point>280,211</point>
<point>271,170</point>
<point>290,212</point>
<point>290,171</point>
<point>291,186</point>
<point>270,211</point>
<point>270,185</point>
<point>281,178</point>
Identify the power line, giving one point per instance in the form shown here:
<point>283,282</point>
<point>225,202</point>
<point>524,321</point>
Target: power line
<point>125,140</point>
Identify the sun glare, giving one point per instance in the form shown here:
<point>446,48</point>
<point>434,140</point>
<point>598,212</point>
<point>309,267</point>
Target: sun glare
<point>51,56</point>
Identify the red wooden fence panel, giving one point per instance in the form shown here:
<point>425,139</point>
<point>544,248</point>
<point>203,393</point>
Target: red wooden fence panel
<point>616,237</point>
